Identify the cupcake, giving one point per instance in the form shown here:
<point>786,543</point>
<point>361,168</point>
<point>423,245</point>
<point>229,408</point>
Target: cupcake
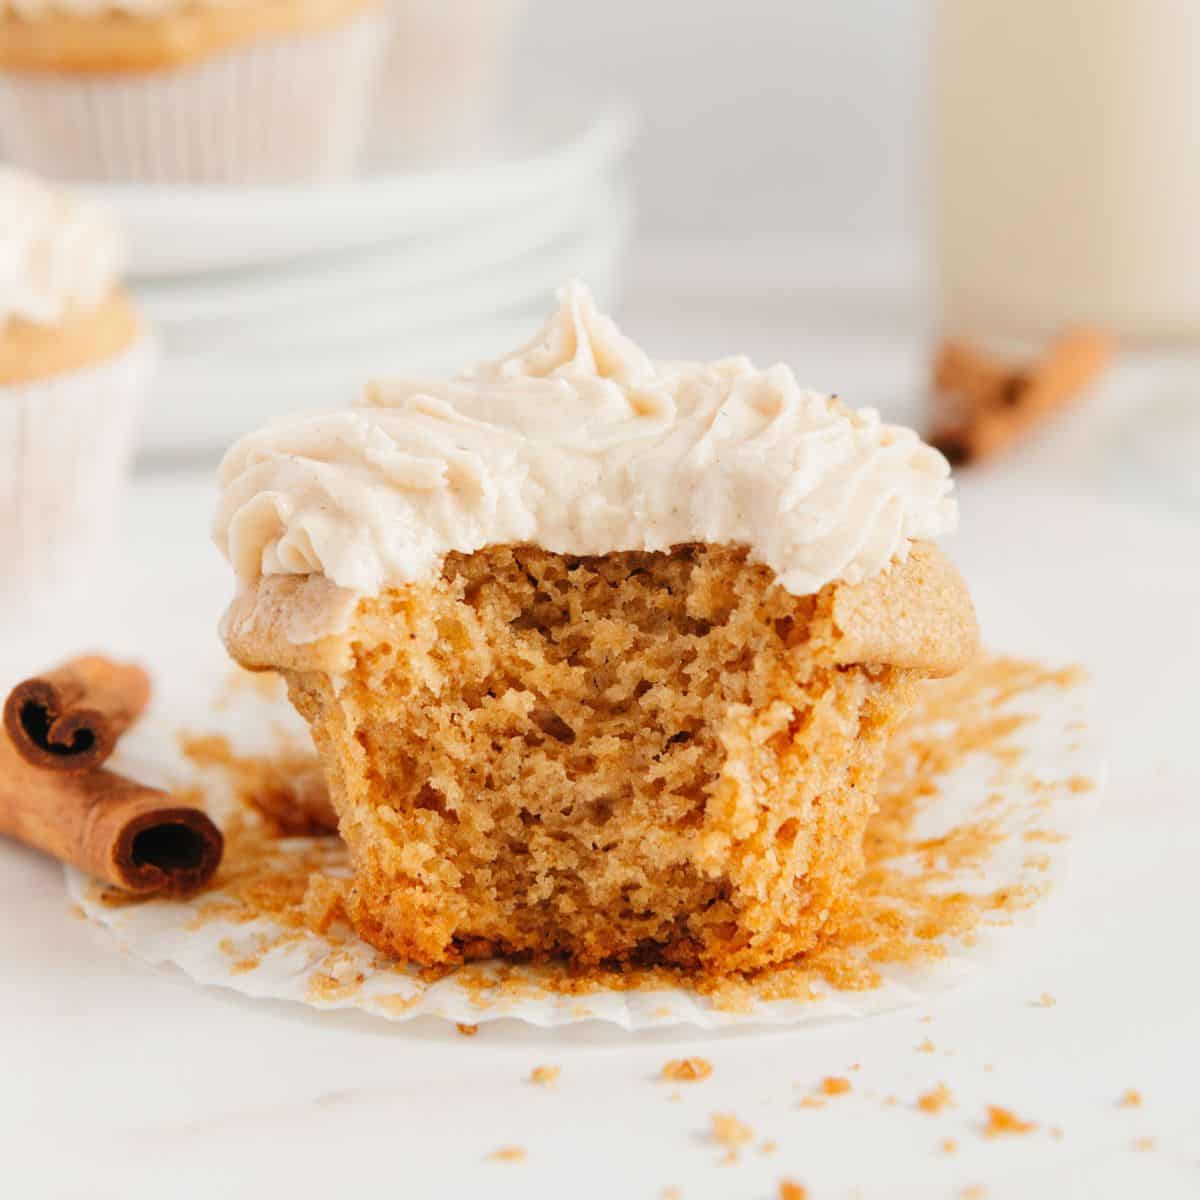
<point>74,364</point>
<point>442,77</point>
<point>600,654</point>
<point>188,91</point>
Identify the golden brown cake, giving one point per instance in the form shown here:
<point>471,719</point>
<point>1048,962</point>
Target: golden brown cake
<point>563,744</point>
<point>86,40</point>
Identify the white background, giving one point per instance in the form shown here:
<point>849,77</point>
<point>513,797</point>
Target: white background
<point>760,117</point>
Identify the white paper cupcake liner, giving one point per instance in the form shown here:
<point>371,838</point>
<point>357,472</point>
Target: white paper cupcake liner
<point>65,448</point>
<point>444,69</point>
<point>281,110</point>
<point>1029,805</point>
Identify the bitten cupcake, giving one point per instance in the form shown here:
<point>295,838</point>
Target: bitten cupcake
<point>74,365</point>
<point>601,654</point>
<point>188,91</point>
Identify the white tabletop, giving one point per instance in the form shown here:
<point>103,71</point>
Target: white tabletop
<point>116,1081</point>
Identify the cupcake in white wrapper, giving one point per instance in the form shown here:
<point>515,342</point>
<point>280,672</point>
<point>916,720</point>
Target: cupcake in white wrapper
<point>189,91</point>
<point>75,362</point>
<point>445,67</point>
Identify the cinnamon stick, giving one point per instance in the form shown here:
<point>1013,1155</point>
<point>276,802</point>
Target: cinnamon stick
<point>69,719</point>
<point>54,797</point>
<point>983,405</point>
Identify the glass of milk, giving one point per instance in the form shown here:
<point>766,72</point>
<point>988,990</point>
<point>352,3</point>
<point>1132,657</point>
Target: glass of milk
<point>1066,185</point>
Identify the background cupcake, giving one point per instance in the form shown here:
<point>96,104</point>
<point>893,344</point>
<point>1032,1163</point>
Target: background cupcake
<point>74,364</point>
<point>188,91</point>
<point>440,88</point>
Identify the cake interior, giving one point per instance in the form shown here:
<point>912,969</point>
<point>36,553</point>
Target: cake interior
<point>639,756</point>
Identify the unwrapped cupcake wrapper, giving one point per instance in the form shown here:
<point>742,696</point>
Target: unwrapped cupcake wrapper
<point>280,110</point>
<point>65,448</point>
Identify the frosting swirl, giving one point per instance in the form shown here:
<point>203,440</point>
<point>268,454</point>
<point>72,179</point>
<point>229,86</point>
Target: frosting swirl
<point>58,252</point>
<point>580,444</point>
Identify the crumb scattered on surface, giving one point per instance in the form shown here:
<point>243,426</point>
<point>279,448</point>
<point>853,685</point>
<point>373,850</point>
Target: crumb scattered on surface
<point>1080,783</point>
<point>1131,1098</point>
<point>811,1102</point>
<point>935,1099</point>
<point>926,1047</point>
<point>1002,1121</point>
<point>834,1085</point>
<point>546,1076</point>
<point>790,1190</point>
<point>769,1147</point>
<point>508,1154</point>
<point>285,788</point>
<point>1143,1143</point>
<point>467,1030</point>
<point>974,1191</point>
<point>672,1193</point>
<point>728,1131</point>
<point>1045,1000</point>
<point>949,1146</point>
<point>687,1070</point>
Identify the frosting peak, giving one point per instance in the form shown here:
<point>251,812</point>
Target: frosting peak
<point>580,443</point>
<point>58,252</point>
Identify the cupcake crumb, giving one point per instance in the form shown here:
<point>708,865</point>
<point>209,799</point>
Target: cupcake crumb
<point>729,1132</point>
<point>790,1190</point>
<point>1045,1000</point>
<point>1002,1121</point>
<point>835,1085</point>
<point>926,1047</point>
<point>508,1154</point>
<point>467,1030</point>
<point>949,1146</point>
<point>1143,1143</point>
<point>935,1100</point>
<point>546,1076</point>
<point>1131,1098</point>
<point>687,1070</point>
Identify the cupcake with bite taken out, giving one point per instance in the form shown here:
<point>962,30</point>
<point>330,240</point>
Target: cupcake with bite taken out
<point>600,653</point>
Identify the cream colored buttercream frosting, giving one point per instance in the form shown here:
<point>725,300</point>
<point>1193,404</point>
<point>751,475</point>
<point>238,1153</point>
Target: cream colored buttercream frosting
<point>581,444</point>
<point>58,252</point>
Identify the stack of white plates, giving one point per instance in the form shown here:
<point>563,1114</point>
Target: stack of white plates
<point>271,299</point>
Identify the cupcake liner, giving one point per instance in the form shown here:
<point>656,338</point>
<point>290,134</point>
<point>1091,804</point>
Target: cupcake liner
<point>445,62</point>
<point>281,110</point>
<point>65,447</point>
<point>1022,799</point>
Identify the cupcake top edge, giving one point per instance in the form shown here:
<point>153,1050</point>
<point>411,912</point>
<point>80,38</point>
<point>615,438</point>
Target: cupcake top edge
<point>60,254</point>
<point>580,443</point>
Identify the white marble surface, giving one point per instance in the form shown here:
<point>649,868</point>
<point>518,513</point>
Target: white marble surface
<point>115,1081</point>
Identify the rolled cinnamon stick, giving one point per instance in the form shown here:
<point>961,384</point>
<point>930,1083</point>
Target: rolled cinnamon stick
<point>982,405</point>
<point>69,719</point>
<point>132,836</point>
<point>54,794</point>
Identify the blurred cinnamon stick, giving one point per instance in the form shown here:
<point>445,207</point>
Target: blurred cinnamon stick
<point>55,797</point>
<point>982,404</point>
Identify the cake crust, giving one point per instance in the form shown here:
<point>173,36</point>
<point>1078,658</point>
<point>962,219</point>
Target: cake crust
<point>108,42</point>
<point>30,352</point>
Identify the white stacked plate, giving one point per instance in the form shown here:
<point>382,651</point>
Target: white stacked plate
<point>271,299</point>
